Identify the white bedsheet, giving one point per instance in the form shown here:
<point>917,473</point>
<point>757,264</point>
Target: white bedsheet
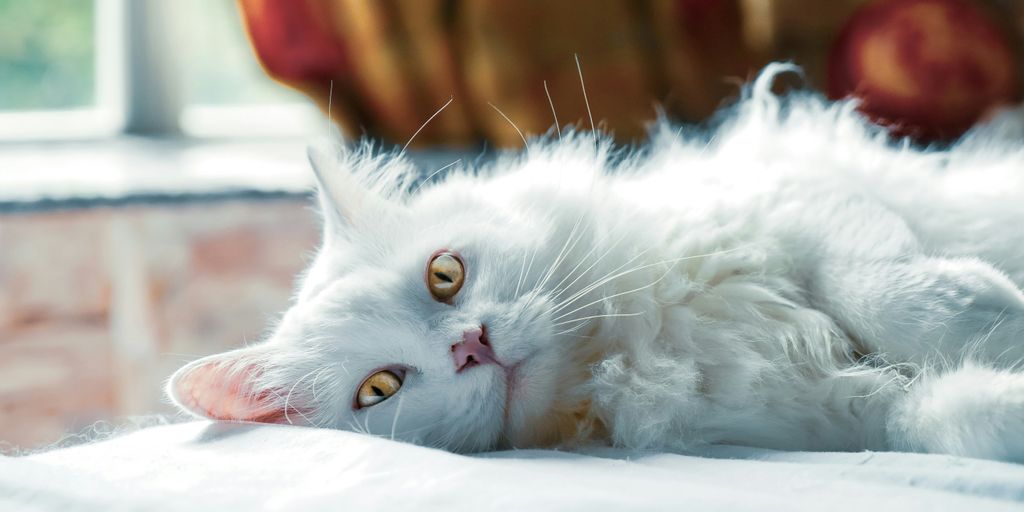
<point>207,466</point>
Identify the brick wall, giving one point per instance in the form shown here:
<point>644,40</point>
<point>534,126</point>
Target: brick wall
<point>99,306</point>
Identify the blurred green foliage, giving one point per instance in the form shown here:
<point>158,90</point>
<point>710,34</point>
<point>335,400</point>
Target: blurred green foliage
<point>47,57</point>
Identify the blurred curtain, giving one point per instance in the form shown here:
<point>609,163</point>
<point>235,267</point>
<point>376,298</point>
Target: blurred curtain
<point>392,63</point>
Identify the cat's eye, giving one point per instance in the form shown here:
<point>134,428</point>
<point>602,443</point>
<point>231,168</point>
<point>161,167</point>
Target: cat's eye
<point>445,275</point>
<point>378,387</point>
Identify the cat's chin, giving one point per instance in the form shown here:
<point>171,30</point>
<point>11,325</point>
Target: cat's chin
<point>535,413</point>
<point>522,408</point>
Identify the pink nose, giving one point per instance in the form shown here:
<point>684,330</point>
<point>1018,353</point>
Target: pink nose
<point>474,349</point>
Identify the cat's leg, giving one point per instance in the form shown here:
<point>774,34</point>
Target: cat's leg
<point>920,309</point>
<point>865,267</point>
<point>973,411</point>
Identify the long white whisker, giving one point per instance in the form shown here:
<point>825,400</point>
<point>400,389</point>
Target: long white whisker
<point>603,281</point>
<point>572,329</point>
<point>602,299</point>
<point>558,290</point>
<point>316,378</point>
<point>330,101</point>
<point>519,281</point>
<point>431,175</point>
<point>591,317</point>
<point>288,397</point>
<point>558,285</point>
<point>521,136</point>
<point>553,113</point>
<point>583,86</point>
<point>530,266</point>
<point>586,289</point>
<point>562,253</point>
<point>425,123</point>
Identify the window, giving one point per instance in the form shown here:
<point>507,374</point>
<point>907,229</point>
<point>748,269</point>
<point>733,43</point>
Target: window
<point>225,90</point>
<point>49,55</point>
<point>61,69</point>
<point>94,68</point>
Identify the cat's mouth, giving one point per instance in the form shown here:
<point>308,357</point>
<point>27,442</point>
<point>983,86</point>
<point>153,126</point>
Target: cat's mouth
<point>476,350</point>
<point>479,352</point>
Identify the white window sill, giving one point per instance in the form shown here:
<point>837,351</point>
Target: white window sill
<point>141,170</point>
<point>68,174</point>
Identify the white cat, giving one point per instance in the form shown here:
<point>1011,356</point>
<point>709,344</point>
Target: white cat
<point>790,280</point>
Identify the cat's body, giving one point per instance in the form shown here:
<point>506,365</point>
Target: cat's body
<point>794,283</point>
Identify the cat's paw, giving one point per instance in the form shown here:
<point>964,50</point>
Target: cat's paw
<point>973,412</point>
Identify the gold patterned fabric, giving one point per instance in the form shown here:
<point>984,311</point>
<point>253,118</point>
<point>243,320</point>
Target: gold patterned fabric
<point>393,63</point>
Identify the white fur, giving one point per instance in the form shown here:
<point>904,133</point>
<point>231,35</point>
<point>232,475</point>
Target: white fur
<point>789,279</point>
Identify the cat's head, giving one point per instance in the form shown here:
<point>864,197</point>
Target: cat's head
<point>417,320</point>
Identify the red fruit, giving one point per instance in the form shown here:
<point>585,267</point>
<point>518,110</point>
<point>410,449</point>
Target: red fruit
<point>926,68</point>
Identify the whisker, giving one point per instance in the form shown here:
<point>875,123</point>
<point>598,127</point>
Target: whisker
<point>569,333</point>
<point>330,101</point>
<point>431,175</point>
<point>398,411</point>
<point>530,266</point>
<point>610,315</point>
<point>521,136</point>
<point>557,290</point>
<point>288,397</point>
<point>553,113</point>
<point>563,252</point>
<point>366,419</point>
<point>600,281</point>
<point>357,428</point>
<point>519,281</point>
<point>316,378</point>
<point>602,299</point>
<point>583,86</point>
<point>568,275</point>
<point>425,123</point>
<point>603,281</point>
<point>571,330</point>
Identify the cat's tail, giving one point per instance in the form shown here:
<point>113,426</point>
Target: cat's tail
<point>972,411</point>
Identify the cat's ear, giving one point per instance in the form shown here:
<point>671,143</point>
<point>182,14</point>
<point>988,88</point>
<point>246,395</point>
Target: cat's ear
<point>344,200</point>
<point>230,386</point>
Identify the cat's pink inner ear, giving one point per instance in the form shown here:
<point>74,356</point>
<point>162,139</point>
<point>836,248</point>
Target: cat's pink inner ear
<point>224,390</point>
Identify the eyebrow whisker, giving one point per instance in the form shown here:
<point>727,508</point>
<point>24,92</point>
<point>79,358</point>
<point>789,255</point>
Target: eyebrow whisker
<point>520,132</point>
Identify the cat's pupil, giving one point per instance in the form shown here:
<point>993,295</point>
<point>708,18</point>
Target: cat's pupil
<point>442,276</point>
<point>377,391</point>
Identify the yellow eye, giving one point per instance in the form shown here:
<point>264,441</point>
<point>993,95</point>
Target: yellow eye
<point>445,274</point>
<point>377,388</point>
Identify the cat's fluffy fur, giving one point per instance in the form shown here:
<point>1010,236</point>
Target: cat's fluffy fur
<point>789,279</point>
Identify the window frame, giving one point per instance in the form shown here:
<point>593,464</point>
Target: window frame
<point>106,116</point>
<point>137,94</point>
